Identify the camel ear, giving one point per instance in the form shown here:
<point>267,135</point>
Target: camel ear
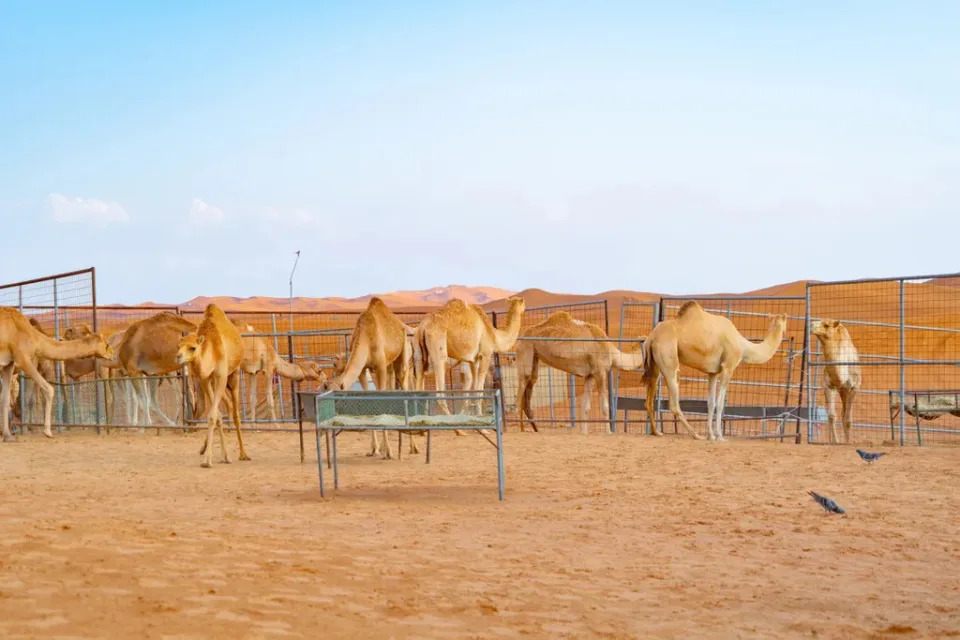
<point>199,340</point>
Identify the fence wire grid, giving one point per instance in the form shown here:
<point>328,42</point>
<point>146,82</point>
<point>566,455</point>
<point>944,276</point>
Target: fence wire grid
<point>906,371</point>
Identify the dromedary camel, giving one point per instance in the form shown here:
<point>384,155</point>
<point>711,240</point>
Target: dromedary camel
<point>842,379</point>
<point>214,354</point>
<point>149,348</point>
<point>21,345</point>
<point>590,360</point>
<point>46,367</point>
<point>709,343</point>
<point>380,343</point>
<point>464,333</point>
<point>260,356</point>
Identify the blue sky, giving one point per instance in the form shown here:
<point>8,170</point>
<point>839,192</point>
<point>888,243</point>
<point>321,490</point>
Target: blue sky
<point>189,148</point>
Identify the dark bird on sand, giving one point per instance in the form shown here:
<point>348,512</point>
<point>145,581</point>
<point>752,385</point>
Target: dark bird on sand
<point>825,502</point>
<point>870,457</point>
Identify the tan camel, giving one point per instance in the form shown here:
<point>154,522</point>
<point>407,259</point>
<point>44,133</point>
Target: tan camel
<point>708,343</point>
<point>46,367</point>
<point>21,345</point>
<point>260,356</point>
<point>842,379</point>
<point>381,344</point>
<point>149,348</point>
<point>463,333</point>
<point>214,354</point>
<point>589,359</point>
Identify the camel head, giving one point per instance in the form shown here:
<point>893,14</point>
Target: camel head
<point>516,305</point>
<point>779,322</point>
<point>332,384</point>
<point>77,331</point>
<point>312,371</point>
<point>104,348</point>
<point>189,348</point>
<point>828,330</point>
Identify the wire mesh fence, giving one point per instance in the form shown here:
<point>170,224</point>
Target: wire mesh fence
<point>52,304</point>
<point>763,400</point>
<point>887,353</point>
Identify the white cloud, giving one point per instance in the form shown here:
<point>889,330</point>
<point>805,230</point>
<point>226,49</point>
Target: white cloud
<point>204,214</point>
<point>77,209</point>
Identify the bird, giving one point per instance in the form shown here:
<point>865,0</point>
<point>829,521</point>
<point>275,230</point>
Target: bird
<point>825,502</point>
<point>870,457</point>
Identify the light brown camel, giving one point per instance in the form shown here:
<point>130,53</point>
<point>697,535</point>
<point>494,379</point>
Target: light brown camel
<point>590,360</point>
<point>77,368</point>
<point>708,343</point>
<point>380,343</point>
<point>464,333</point>
<point>260,356</point>
<point>149,348</point>
<point>46,367</point>
<point>842,379</point>
<point>214,354</point>
<point>21,345</point>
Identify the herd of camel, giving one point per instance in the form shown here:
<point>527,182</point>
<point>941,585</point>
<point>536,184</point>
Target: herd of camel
<point>398,356</point>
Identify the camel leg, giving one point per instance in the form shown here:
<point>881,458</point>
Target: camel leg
<point>588,385</point>
<point>439,373</point>
<point>846,396</point>
<point>206,389</point>
<point>604,400</point>
<point>28,367</point>
<point>234,388</point>
<point>673,388</point>
<point>830,395</point>
<point>725,376</point>
<point>384,375</point>
<point>527,373</point>
<point>711,403</point>
<point>219,384</point>
<point>252,404</point>
<point>5,395</point>
<point>479,373</point>
<point>156,401</point>
<point>651,398</point>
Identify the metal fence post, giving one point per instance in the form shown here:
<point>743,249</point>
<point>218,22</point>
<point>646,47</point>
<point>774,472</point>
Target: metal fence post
<point>99,395</point>
<point>903,376</point>
<point>56,365</point>
<point>23,379</point>
<point>611,396</point>
<point>276,347</point>
<point>804,365</point>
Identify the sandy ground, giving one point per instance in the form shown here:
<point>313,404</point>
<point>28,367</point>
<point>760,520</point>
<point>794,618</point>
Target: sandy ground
<point>600,536</point>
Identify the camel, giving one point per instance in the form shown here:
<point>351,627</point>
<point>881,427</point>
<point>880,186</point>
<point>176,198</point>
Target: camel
<point>21,345</point>
<point>380,343</point>
<point>260,356</point>
<point>47,368</point>
<point>214,354</point>
<point>463,333</point>
<point>708,343</point>
<point>589,360</point>
<point>842,379</point>
<point>149,348</point>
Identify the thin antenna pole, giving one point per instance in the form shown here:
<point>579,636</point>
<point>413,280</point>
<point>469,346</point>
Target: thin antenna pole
<point>292,271</point>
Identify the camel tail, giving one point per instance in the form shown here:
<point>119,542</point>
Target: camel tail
<point>421,356</point>
<point>649,366</point>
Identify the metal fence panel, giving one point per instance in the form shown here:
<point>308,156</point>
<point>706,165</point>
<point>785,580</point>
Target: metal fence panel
<point>907,335</point>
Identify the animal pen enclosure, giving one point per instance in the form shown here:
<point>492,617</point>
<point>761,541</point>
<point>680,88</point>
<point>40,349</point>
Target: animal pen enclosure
<point>907,335</point>
<point>763,400</point>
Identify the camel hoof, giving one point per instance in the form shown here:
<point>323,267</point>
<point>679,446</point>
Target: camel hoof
<point>47,434</point>
<point>244,458</point>
<point>205,465</point>
<point>697,436</point>
<point>9,439</point>
<point>458,432</point>
<point>224,462</point>
<point>372,453</point>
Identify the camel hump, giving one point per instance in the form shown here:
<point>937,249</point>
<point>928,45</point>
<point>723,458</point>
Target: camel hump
<point>376,303</point>
<point>688,306</point>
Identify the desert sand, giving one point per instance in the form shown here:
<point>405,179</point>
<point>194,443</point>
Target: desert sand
<point>600,536</point>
